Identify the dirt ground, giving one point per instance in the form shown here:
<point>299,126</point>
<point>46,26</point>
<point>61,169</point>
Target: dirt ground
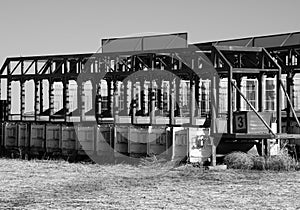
<point>62,185</point>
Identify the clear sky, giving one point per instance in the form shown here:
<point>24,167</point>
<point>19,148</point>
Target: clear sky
<point>35,27</point>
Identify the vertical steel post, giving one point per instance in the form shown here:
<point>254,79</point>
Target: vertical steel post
<point>98,104</point>
<point>172,101</point>
<point>51,98</point>
<point>143,101</point>
<point>177,97</point>
<point>289,84</point>
<point>41,96</point>
<point>125,84</point>
<point>238,97</point>
<point>79,99</point>
<point>197,102</point>
<point>152,103</point>
<point>229,102</point>
<point>22,98</point>
<point>133,102</point>
<point>65,99</point>
<point>8,95</point>
<point>213,103</point>
<point>260,92</point>
<point>278,101</point>
<point>109,97</point>
<point>159,94</point>
<point>22,89</point>
<point>94,93</point>
<point>116,98</point>
<point>192,101</point>
<point>36,99</point>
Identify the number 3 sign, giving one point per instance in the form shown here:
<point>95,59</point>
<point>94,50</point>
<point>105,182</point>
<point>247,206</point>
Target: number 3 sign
<point>240,123</point>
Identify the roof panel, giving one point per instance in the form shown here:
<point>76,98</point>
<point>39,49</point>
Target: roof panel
<point>156,42</point>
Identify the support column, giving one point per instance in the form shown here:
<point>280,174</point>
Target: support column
<point>204,98</point>
<point>125,83</point>
<point>278,101</point>
<point>116,98</point>
<point>229,102</point>
<point>238,96</point>
<point>217,87</point>
<point>177,94</point>
<point>260,93</point>
<point>172,102</point>
<point>290,91</point>
<point>22,98</point>
<point>41,96</point>
<point>83,101</point>
<point>9,83</point>
<point>143,101</point>
<point>192,101</point>
<point>8,89</point>
<point>37,99</point>
<point>160,99</point>
<point>197,97</point>
<point>213,152</point>
<point>51,98</point>
<point>51,94</point>
<point>22,89</point>
<point>65,99</point>
<point>79,100</point>
<point>109,98</point>
<point>94,93</point>
<point>98,102</point>
<point>152,103</point>
<point>214,105</point>
<point>133,102</point>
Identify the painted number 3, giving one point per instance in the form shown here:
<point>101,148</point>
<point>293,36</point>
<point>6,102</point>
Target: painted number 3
<point>240,122</point>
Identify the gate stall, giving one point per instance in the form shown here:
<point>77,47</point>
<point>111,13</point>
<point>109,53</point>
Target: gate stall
<point>86,140</point>
<point>10,137</point>
<point>138,139</point>
<point>53,139</point>
<point>105,143</point>
<point>159,142</point>
<point>37,140</point>
<point>121,143</point>
<point>68,141</point>
<point>23,139</point>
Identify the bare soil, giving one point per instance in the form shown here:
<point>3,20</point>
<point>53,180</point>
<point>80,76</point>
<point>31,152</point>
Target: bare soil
<point>40,184</point>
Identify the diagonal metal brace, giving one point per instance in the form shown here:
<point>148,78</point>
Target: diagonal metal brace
<point>253,109</point>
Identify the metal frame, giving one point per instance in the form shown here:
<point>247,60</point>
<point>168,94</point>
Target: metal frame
<point>254,56</point>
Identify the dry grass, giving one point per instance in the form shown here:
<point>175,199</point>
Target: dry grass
<point>63,185</point>
<point>281,162</point>
<point>239,160</point>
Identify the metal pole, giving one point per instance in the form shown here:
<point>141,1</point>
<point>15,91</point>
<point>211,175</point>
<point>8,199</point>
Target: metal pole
<point>260,93</point>
<point>229,102</point>
<point>278,101</point>
<point>192,101</point>
<point>214,104</point>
